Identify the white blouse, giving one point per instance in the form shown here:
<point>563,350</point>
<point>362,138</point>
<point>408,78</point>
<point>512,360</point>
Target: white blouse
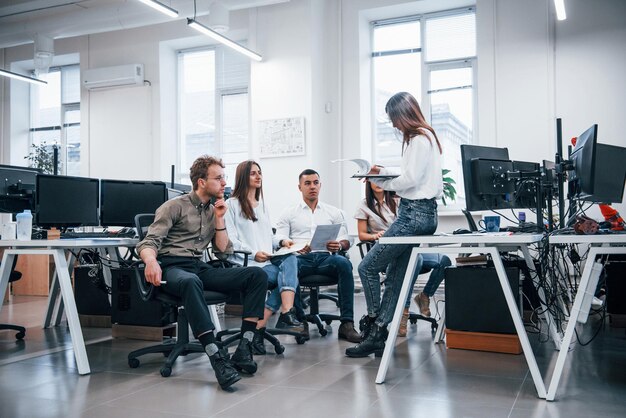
<point>374,222</point>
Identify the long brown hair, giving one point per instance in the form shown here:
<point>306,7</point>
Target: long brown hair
<point>242,185</point>
<point>372,203</point>
<point>406,115</point>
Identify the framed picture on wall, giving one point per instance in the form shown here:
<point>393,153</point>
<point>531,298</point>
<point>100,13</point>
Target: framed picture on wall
<point>282,137</point>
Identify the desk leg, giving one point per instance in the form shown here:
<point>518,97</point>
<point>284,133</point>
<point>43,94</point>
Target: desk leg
<point>441,328</point>
<point>65,283</point>
<point>517,320</point>
<point>71,258</point>
<point>395,322</point>
<point>556,336</point>
<point>53,297</point>
<point>5,273</point>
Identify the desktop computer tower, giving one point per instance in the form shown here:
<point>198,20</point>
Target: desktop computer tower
<point>128,308</point>
<point>616,284</point>
<point>475,301</point>
<point>90,291</point>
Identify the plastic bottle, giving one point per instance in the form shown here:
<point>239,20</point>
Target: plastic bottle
<point>24,225</point>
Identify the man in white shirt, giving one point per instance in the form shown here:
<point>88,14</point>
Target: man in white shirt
<point>298,223</point>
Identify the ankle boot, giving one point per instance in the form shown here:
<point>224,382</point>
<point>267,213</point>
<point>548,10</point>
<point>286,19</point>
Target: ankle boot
<point>404,323</point>
<point>374,343</point>
<point>242,358</point>
<point>365,323</point>
<point>258,342</point>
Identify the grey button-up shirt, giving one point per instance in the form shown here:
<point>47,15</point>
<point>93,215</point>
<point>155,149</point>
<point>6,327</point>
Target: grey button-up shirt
<point>182,227</point>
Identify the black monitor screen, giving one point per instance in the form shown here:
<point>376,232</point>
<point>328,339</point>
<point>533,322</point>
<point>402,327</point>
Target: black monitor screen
<point>66,201</point>
<point>609,176</point>
<point>17,185</point>
<point>122,200</point>
<point>584,161</point>
<point>476,195</point>
<point>525,187</point>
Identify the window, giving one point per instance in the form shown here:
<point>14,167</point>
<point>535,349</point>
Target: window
<point>213,108</point>
<point>433,57</point>
<point>55,116</point>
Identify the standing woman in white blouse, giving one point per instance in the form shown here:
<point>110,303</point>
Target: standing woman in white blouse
<point>418,185</point>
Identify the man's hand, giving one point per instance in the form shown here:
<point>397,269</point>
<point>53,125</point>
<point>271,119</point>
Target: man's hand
<point>305,250</point>
<point>261,256</point>
<point>220,208</point>
<point>153,272</point>
<point>333,246</point>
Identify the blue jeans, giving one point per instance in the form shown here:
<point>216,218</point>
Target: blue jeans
<point>282,275</point>
<point>436,264</point>
<point>332,265</point>
<point>415,217</point>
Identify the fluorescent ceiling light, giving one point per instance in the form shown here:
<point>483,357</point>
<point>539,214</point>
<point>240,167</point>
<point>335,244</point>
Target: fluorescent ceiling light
<point>22,77</point>
<point>224,40</point>
<point>160,7</point>
<point>559,5</point>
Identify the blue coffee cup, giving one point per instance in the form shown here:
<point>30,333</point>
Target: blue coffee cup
<point>490,223</point>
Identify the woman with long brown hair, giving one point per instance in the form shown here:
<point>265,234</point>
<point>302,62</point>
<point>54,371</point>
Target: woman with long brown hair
<point>418,185</point>
<point>249,229</point>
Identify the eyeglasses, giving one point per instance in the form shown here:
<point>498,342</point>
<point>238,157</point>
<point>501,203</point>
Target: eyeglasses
<point>219,178</point>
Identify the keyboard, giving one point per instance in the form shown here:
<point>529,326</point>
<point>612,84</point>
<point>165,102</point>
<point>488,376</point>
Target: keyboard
<point>79,235</point>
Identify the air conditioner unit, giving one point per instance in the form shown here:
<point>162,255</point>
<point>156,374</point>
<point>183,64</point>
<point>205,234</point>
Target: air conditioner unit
<point>112,77</point>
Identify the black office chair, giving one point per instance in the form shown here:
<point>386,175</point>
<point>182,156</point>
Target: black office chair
<point>21,331</point>
<point>180,346</point>
<point>314,282</point>
<point>364,247</point>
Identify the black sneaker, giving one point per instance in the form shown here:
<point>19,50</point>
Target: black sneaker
<point>224,371</point>
<point>258,342</point>
<point>289,321</point>
<point>242,359</point>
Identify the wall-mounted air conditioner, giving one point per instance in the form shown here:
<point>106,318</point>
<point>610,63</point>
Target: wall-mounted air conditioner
<point>112,77</point>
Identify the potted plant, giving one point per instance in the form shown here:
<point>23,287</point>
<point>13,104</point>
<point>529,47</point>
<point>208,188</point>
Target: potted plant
<point>448,189</point>
<point>42,157</point>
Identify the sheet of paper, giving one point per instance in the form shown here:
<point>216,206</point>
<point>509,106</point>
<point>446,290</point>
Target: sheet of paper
<point>297,246</point>
<point>375,176</point>
<point>323,234</point>
<point>364,166</point>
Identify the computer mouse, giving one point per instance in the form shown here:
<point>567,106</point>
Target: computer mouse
<point>461,231</point>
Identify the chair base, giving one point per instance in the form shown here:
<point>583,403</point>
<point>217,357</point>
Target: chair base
<point>318,319</point>
<point>269,336</point>
<point>173,350</point>
<point>414,317</point>
<point>21,331</point>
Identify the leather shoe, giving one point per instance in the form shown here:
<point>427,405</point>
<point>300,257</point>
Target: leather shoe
<point>224,371</point>
<point>258,342</point>
<point>348,333</point>
<point>365,323</point>
<point>373,344</point>
<point>289,321</point>
<point>242,358</point>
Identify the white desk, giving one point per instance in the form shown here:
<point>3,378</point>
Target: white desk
<point>455,244</point>
<point>599,244</point>
<point>62,280</point>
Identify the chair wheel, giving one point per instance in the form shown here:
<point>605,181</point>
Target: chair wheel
<point>279,349</point>
<point>329,321</point>
<point>323,332</point>
<point>300,340</point>
<point>433,327</point>
<point>133,363</point>
<point>20,335</point>
<point>413,321</point>
<point>166,371</point>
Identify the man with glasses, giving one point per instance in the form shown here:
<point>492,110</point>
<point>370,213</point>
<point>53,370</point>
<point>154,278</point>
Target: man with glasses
<point>183,228</point>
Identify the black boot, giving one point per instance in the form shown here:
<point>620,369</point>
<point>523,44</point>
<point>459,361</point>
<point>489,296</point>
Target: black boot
<point>224,371</point>
<point>374,343</point>
<point>289,321</point>
<point>365,324</point>
<point>242,359</point>
<point>258,342</point>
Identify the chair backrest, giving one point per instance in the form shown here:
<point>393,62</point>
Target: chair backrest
<point>142,222</point>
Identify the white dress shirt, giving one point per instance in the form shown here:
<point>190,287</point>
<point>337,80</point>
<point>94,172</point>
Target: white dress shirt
<point>420,175</point>
<point>298,222</point>
<point>247,235</point>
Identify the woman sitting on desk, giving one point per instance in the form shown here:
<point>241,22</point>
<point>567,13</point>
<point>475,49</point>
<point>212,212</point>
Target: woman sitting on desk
<point>374,216</point>
<point>249,229</point>
<point>418,185</point>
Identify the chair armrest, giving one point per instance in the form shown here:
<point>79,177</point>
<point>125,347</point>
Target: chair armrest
<point>146,290</point>
<point>223,256</point>
<point>368,245</point>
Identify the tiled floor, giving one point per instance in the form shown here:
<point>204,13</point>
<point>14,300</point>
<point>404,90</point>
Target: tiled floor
<point>312,380</point>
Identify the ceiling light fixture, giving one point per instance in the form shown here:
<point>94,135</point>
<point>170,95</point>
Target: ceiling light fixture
<point>21,77</point>
<point>559,5</point>
<point>222,39</point>
<point>156,5</point>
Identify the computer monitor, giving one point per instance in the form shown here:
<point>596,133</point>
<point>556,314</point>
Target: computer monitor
<point>17,185</point>
<point>121,200</point>
<point>481,192</point>
<point>599,170</point>
<point>65,202</point>
<point>525,187</point>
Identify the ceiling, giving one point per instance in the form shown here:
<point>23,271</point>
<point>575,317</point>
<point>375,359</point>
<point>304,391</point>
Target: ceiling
<point>20,20</point>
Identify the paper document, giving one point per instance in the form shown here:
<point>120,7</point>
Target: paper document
<point>364,167</point>
<point>323,234</point>
<point>297,246</point>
